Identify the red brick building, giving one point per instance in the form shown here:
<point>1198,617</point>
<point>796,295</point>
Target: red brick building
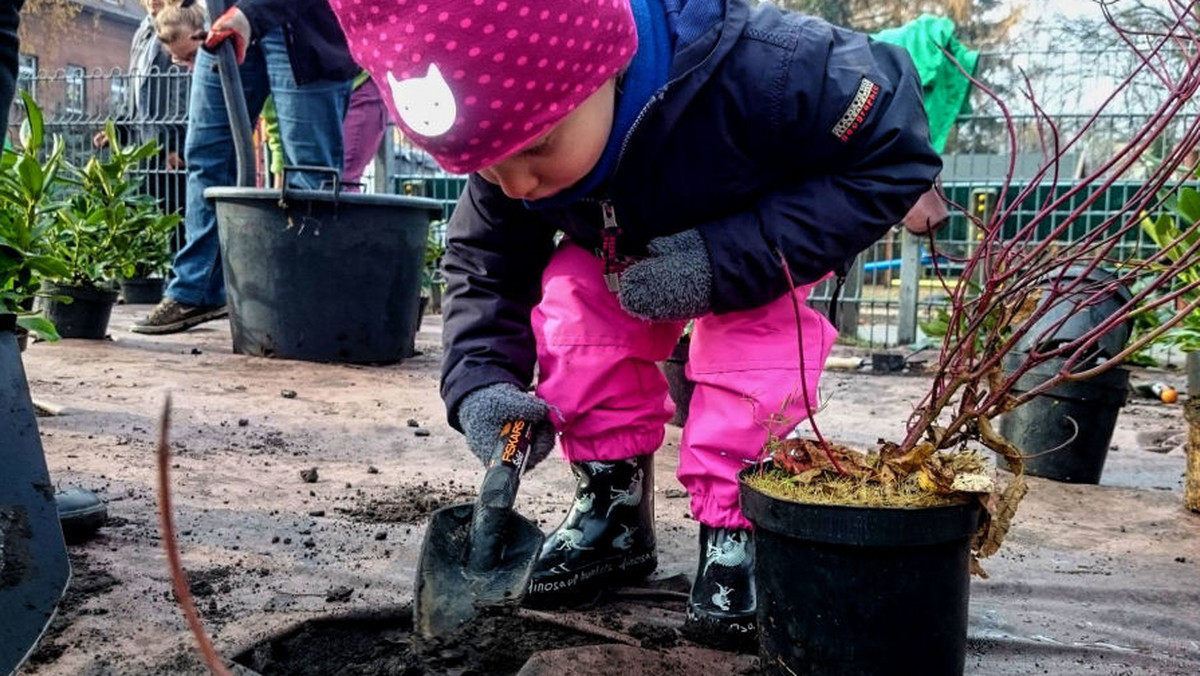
<point>68,65</point>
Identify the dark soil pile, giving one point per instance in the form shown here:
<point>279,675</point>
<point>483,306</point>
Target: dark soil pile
<point>382,645</point>
<point>86,583</point>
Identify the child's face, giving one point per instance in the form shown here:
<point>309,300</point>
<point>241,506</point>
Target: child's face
<point>183,50</point>
<point>562,156</point>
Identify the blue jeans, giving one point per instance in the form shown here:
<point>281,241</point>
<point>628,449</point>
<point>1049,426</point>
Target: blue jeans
<point>310,124</point>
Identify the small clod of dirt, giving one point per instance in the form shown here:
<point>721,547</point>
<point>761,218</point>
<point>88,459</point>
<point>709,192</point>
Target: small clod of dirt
<point>372,469</point>
<point>412,422</point>
<point>309,476</point>
<point>339,594</point>
<point>87,582</point>
<point>411,504</point>
<point>421,433</point>
<point>654,636</point>
<point>288,394</point>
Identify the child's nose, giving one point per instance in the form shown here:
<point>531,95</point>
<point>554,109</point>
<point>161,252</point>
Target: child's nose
<point>518,184</point>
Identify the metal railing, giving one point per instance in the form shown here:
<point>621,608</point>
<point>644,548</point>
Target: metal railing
<point>889,291</point>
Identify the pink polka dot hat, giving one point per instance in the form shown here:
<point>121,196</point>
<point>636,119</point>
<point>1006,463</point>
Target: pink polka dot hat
<point>473,81</point>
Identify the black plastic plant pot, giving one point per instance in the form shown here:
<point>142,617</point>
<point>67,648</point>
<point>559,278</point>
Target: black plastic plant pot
<point>321,275</point>
<point>846,590</point>
<point>87,313</point>
<point>1073,315</point>
<point>1065,432</point>
<point>142,290</point>
<point>678,385</point>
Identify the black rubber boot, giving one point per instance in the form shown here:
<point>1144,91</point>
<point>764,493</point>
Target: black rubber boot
<point>722,605</point>
<point>607,538</point>
<point>80,512</point>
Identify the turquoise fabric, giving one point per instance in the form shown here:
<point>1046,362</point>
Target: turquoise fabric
<point>945,85</point>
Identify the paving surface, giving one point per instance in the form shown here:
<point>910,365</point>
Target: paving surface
<point>1094,579</point>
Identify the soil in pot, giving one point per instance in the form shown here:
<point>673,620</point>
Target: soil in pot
<point>87,313</point>
<point>848,589</point>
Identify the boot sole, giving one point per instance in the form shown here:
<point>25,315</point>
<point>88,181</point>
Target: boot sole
<point>580,586</point>
<point>735,633</point>
<point>181,325</point>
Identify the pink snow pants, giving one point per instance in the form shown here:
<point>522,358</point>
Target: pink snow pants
<point>609,401</point>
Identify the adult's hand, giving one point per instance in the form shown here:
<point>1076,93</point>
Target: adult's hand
<point>232,25</point>
<point>100,139</point>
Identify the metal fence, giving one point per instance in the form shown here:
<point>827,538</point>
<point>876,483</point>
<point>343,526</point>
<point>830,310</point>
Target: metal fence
<point>890,290</point>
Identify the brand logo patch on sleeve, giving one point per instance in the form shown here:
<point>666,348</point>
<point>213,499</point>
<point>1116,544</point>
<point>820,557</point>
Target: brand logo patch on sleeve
<point>852,120</point>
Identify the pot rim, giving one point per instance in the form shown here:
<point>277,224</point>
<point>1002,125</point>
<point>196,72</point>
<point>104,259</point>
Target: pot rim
<point>272,198</point>
<point>858,525</point>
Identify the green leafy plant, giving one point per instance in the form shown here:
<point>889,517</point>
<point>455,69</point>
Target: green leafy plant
<point>1175,234</point>
<point>29,203</point>
<point>434,250</point>
<point>108,227</point>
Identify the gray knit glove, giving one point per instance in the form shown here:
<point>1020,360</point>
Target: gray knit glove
<point>675,282</point>
<point>484,411</point>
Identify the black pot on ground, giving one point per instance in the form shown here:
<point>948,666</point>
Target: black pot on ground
<point>1096,297</point>
<point>142,290</point>
<point>87,313</point>
<point>680,388</point>
<point>422,305</point>
<point>1066,431</point>
<point>846,590</point>
<point>322,275</point>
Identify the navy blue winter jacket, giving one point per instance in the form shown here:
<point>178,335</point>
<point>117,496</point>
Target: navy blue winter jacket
<point>316,45</point>
<point>775,132</point>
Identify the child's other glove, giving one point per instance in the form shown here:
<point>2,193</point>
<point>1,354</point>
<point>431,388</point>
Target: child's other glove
<point>675,282</point>
<point>484,411</point>
<point>234,25</point>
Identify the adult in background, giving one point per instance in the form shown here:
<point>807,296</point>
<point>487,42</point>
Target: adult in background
<point>155,108</point>
<point>293,51</point>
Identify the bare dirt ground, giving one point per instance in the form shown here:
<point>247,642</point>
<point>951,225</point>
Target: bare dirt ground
<point>302,490</point>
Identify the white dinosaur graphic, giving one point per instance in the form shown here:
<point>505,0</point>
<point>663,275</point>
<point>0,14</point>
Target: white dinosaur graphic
<point>599,467</point>
<point>624,540</point>
<point>570,538</point>
<point>732,552</point>
<point>425,104</point>
<point>630,497</point>
<point>721,598</point>
<point>583,503</point>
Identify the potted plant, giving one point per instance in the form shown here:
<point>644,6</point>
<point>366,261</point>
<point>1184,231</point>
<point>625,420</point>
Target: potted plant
<point>99,235</point>
<point>143,264</point>
<point>28,204</point>
<point>863,558</point>
<point>431,281</point>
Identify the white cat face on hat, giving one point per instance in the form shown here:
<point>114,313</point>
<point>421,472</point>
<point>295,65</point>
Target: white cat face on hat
<point>425,104</point>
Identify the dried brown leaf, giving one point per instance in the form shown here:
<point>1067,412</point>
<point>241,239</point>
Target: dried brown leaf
<point>992,535</point>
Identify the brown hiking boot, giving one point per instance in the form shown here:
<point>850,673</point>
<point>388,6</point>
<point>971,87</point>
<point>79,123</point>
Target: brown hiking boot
<point>171,316</point>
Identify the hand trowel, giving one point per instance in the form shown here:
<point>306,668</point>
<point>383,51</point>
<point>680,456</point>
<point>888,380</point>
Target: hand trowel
<point>480,554</point>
